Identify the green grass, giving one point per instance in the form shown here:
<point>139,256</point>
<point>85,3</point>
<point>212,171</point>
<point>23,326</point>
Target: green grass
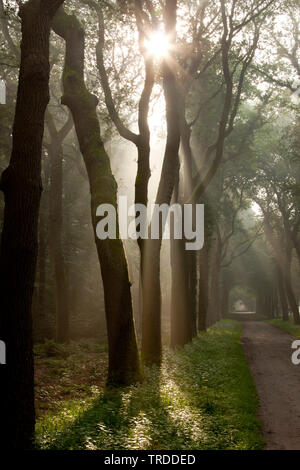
<point>203,397</point>
<point>287,326</point>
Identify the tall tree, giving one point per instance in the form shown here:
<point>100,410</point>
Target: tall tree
<point>145,26</point>
<point>55,151</point>
<point>124,365</point>
<point>151,322</point>
<point>21,184</point>
<point>206,60</point>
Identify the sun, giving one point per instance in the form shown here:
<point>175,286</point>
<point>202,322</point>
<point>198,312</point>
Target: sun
<point>157,44</point>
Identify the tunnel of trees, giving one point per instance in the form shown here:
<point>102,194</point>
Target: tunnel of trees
<point>166,102</point>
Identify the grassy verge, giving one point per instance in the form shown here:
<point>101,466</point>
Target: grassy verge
<point>203,397</point>
<point>287,326</point>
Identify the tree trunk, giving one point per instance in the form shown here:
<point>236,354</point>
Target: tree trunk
<point>290,293</point>
<point>282,295</point>
<point>151,311</point>
<point>42,264</point>
<point>191,256</point>
<point>40,320</point>
<point>124,364</point>
<point>203,288</point>
<point>181,319</point>
<point>151,327</point>
<point>181,312</point>
<point>21,184</point>
<point>225,296</point>
<point>192,290</point>
<point>141,140</point>
<point>55,243</point>
<point>258,308</point>
<point>215,287</point>
<point>284,259</point>
<point>285,265</point>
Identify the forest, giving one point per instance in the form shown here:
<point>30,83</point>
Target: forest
<point>150,224</point>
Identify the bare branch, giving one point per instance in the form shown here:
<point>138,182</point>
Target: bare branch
<point>114,115</point>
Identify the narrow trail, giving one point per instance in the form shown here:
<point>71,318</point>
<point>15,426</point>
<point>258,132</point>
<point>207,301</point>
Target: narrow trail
<point>268,350</point>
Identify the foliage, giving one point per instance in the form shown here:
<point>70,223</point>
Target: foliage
<point>51,349</point>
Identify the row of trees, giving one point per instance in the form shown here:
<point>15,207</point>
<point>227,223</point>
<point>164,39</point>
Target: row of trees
<point>231,140</point>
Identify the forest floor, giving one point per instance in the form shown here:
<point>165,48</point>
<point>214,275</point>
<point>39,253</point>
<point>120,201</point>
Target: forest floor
<point>268,350</point>
<point>203,397</point>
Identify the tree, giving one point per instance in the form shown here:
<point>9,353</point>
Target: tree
<point>151,326</point>
<point>55,152</point>
<point>21,184</point>
<point>124,364</point>
<point>274,194</point>
<point>141,140</point>
<point>202,95</point>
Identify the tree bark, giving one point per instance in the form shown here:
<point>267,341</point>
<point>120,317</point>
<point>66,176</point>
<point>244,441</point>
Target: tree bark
<point>55,243</point>
<point>215,286</point>
<point>203,288</point>
<point>142,139</point>
<point>181,313</point>
<point>284,259</point>
<point>179,308</point>
<point>191,256</point>
<point>192,290</point>
<point>21,184</point>
<point>151,325</point>
<point>55,150</point>
<point>282,295</point>
<point>124,365</point>
<point>42,256</point>
<point>225,296</point>
<point>290,293</point>
<point>39,331</point>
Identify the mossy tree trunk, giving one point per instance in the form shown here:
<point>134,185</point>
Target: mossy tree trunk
<point>21,184</point>
<point>124,364</point>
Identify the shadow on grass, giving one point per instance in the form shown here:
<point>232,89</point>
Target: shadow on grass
<point>130,418</point>
<point>203,397</point>
<point>215,379</point>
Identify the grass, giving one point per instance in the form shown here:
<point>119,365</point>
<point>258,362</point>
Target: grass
<point>287,326</point>
<point>203,397</point>
<point>65,372</point>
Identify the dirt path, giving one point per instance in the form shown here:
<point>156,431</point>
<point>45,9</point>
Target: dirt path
<point>277,380</point>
